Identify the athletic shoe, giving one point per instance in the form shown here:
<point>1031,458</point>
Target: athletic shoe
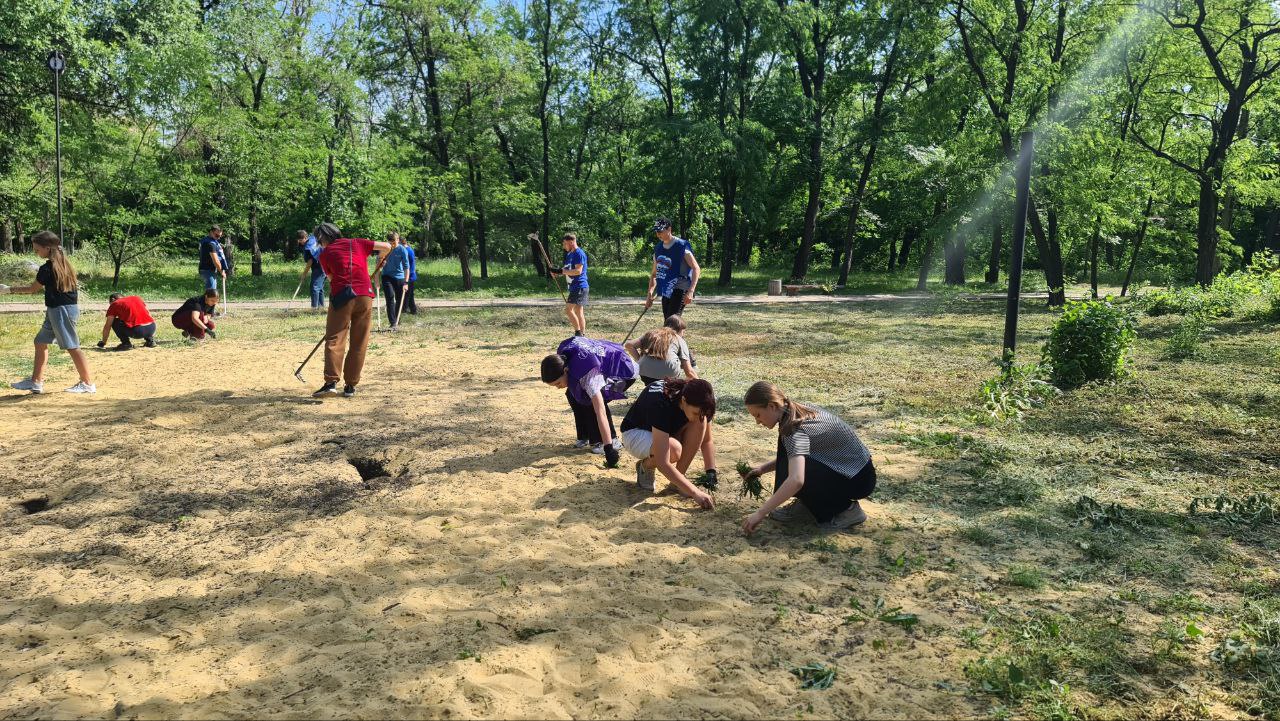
<point>186,334</point>
<point>328,389</point>
<point>83,387</point>
<point>124,346</point>
<point>851,516</point>
<point>150,343</point>
<point>581,443</point>
<point>598,449</point>
<point>790,513</point>
<point>644,477</point>
<point>27,384</point>
<point>348,391</point>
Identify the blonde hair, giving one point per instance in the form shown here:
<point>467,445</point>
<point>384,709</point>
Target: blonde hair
<point>764,393</point>
<point>656,343</point>
<point>64,276</point>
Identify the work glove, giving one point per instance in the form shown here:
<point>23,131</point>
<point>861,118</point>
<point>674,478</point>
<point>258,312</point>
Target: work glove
<point>102,344</point>
<point>611,456</point>
<point>212,334</point>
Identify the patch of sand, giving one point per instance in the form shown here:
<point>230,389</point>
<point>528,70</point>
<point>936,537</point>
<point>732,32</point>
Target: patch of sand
<point>210,550</point>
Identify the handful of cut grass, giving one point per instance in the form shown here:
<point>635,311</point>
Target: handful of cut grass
<point>708,481</point>
<point>751,485</point>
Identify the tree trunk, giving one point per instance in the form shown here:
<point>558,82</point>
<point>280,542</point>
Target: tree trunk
<point>800,268</point>
<point>997,247</point>
<point>893,249</point>
<point>954,254</point>
<point>908,239</point>
<point>744,239</point>
<point>256,263</point>
<point>6,235</point>
<point>926,259</point>
<point>729,231</point>
<point>544,122</point>
<point>1207,232</point>
<point>20,232</point>
<point>1109,251</point>
<point>460,240</point>
<point>1137,245</point>
<point>477,199</point>
<point>1050,256</point>
<point>1093,256</point>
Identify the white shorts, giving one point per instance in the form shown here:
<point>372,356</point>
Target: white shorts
<point>638,442</point>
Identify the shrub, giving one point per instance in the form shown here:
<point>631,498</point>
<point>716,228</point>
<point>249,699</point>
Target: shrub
<point>1016,389</point>
<point>1187,337</point>
<point>1163,301</point>
<point>1090,342</point>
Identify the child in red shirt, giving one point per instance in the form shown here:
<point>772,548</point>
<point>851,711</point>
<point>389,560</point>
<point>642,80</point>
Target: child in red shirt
<point>129,318</point>
<point>346,262</point>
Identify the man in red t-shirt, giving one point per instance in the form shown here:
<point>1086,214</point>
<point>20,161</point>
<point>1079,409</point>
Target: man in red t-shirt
<point>128,317</point>
<point>346,262</point>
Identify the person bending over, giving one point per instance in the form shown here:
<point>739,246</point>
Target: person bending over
<point>592,372</point>
<point>129,318</point>
<point>661,353</point>
<point>821,465</point>
<point>667,426</point>
<point>195,317</point>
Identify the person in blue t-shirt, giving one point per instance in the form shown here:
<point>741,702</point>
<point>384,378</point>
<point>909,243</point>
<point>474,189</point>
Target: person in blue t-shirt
<point>675,271</point>
<point>395,277</point>
<point>411,305</point>
<point>311,255</point>
<point>213,264</point>
<point>575,269</point>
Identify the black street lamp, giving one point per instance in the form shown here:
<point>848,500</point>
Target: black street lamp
<point>57,64</point>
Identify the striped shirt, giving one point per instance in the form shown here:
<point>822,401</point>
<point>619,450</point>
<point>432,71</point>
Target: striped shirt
<point>828,440</point>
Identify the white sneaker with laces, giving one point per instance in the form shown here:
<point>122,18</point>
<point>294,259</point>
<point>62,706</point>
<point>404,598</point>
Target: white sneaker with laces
<point>26,384</point>
<point>83,387</point>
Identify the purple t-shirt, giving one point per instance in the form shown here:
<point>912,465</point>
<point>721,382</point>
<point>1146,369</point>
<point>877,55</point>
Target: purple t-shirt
<point>596,365</point>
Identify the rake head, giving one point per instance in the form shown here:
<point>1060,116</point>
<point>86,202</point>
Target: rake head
<point>298,374</point>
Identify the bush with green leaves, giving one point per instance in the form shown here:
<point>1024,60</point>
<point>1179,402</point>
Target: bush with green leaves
<point>1238,294</point>
<point>1188,336</point>
<point>1089,342</point>
<point>1016,389</point>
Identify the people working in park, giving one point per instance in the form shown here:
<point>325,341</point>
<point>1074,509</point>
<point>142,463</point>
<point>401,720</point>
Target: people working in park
<point>667,426</point>
<point>661,353</point>
<point>675,271</point>
<point>213,265</point>
<point>195,316</point>
<point>820,463</point>
<point>410,303</point>
<point>346,263</point>
<point>592,372</point>
<point>575,269</point>
<point>129,318</point>
<point>57,279</point>
<point>311,256</point>
<point>395,276</point>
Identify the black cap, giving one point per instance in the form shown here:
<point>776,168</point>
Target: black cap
<point>661,224</point>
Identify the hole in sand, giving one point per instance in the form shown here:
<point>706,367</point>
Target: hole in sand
<point>34,505</point>
<point>369,468</point>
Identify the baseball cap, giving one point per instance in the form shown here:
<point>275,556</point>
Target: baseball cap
<point>661,224</point>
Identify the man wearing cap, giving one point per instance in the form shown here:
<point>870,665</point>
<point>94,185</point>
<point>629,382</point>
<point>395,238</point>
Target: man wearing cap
<point>346,262</point>
<point>675,271</point>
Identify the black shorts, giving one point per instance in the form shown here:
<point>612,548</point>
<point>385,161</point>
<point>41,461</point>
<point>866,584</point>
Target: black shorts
<point>578,296</point>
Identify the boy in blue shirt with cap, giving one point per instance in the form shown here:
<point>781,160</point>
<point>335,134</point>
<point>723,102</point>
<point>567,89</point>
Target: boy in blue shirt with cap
<point>311,255</point>
<point>575,268</point>
<point>675,271</point>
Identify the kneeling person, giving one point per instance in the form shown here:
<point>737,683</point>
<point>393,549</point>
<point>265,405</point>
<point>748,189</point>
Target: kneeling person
<point>128,317</point>
<point>592,372</point>
<point>195,317</point>
<point>820,462</point>
<point>667,426</point>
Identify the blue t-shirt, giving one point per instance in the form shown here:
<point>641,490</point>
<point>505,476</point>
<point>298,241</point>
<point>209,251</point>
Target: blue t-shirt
<point>577,256</point>
<point>311,252</point>
<point>397,265</point>
<point>413,263</point>
<point>671,265</point>
<point>209,245</point>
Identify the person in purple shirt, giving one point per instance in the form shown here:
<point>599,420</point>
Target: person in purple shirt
<point>592,372</point>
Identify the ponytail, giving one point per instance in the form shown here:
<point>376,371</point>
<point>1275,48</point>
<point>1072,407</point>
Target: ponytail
<point>767,394</point>
<point>64,276</point>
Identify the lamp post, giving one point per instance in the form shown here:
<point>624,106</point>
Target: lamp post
<point>1021,201</point>
<point>58,63</point>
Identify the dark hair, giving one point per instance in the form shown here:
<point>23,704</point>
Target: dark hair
<point>327,232</point>
<point>675,323</point>
<point>569,236</point>
<point>211,293</point>
<point>553,366</point>
<point>114,297</point>
<point>696,392</point>
<point>216,229</point>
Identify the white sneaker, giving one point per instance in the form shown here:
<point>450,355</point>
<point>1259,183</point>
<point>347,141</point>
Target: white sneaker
<point>83,387</point>
<point>581,443</point>
<point>598,449</point>
<point>26,384</point>
<point>792,512</point>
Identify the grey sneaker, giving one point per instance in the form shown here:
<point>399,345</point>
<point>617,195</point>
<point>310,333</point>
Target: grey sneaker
<point>644,477</point>
<point>849,517</point>
<point>792,512</point>
<point>83,387</point>
<point>581,443</point>
<point>26,384</point>
<point>598,449</point>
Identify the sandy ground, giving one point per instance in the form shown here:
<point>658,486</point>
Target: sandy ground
<point>210,549</point>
